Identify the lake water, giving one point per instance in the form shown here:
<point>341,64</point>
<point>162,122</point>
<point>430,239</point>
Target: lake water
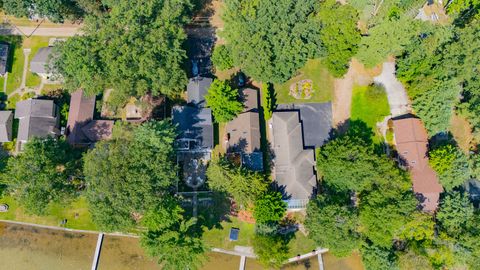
<point>30,248</point>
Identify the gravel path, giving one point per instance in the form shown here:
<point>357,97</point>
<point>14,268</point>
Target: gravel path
<point>396,93</point>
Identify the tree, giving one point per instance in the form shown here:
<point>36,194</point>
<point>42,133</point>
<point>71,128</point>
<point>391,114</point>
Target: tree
<point>451,164</point>
<point>55,10</point>
<point>455,212</point>
<point>44,172</point>
<point>333,225</point>
<point>419,229</point>
<point>130,173</point>
<point>270,40</point>
<point>136,49</point>
<point>269,208</point>
<point>376,258</point>
<point>170,238</point>
<point>224,101</point>
<point>268,100</point>
<point>389,37</point>
<point>272,250</point>
<point>222,57</point>
<point>339,35</point>
<point>243,185</point>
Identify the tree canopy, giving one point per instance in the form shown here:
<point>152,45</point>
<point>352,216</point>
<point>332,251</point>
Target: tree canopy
<point>243,185</point>
<point>224,101</point>
<point>130,173</point>
<point>46,171</point>
<point>451,164</point>
<point>222,57</point>
<point>54,10</point>
<point>271,39</point>
<point>269,208</point>
<point>134,48</point>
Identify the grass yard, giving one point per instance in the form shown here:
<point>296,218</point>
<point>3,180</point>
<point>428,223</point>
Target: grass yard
<point>56,212</point>
<point>15,63</point>
<point>219,237</point>
<point>34,43</point>
<point>323,84</point>
<point>370,105</point>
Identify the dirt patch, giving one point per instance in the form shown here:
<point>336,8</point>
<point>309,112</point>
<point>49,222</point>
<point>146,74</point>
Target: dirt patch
<point>216,19</point>
<point>342,98</point>
<point>462,132</point>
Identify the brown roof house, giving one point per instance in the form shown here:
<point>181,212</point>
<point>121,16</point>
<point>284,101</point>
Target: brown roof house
<point>37,118</point>
<point>82,129</point>
<point>243,132</point>
<point>294,165</point>
<point>412,145</point>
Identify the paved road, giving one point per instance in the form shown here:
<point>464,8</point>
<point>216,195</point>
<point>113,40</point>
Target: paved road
<point>396,93</point>
<point>40,31</point>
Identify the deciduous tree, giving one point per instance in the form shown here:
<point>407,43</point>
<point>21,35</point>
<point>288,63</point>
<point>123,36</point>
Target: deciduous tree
<point>269,208</point>
<point>224,101</point>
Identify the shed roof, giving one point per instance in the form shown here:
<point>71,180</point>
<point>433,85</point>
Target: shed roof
<point>294,165</point>
<point>197,88</point>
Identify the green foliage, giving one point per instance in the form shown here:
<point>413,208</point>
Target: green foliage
<point>243,185</point>
<point>272,250</point>
<point>389,37</point>
<point>130,173</point>
<point>224,101</point>
<point>270,40</point>
<point>268,100</point>
<point>333,225</point>
<point>339,35</point>
<point>135,48</point>
<point>40,174</point>
<point>451,164</point>
<point>269,208</point>
<point>375,258</point>
<point>222,58</point>
<point>419,229</point>
<point>54,10</point>
<point>172,239</point>
<point>455,212</point>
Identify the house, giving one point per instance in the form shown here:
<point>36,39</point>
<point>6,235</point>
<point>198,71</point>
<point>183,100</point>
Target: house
<point>294,165</point>
<point>4,51</point>
<point>316,121</point>
<point>37,118</point>
<point>412,145</point>
<point>197,88</point>
<point>243,132</point>
<point>82,129</point>
<point>6,123</point>
<point>194,142</point>
<point>41,63</point>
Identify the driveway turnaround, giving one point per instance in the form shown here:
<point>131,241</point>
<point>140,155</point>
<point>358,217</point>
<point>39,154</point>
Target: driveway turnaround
<point>396,93</point>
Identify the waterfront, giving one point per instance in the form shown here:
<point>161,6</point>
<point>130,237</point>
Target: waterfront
<point>25,248</point>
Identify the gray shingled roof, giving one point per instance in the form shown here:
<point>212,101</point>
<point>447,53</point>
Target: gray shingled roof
<point>38,118</point>
<point>6,126</point>
<point>316,121</point>
<point>40,61</point>
<point>195,124</point>
<point>197,88</point>
<point>4,49</point>
<point>294,165</point>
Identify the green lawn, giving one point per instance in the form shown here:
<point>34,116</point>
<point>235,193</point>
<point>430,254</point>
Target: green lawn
<point>370,105</point>
<point>15,63</point>
<point>56,212</point>
<point>322,84</point>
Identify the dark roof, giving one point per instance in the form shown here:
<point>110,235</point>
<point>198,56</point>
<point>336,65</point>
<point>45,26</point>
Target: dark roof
<point>253,161</point>
<point>97,130</point>
<point>294,165</point>
<point>38,118</point>
<point>80,113</point>
<point>4,49</point>
<point>412,145</point>
<point>41,60</point>
<point>197,88</point>
<point>250,99</point>
<point>194,125</point>
<point>316,121</point>
<point>234,232</point>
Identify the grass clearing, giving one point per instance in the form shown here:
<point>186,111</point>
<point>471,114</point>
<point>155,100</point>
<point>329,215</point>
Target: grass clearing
<point>370,105</point>
<point>34,43</point>
<point>76,213</point>
<point>323,84</point>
